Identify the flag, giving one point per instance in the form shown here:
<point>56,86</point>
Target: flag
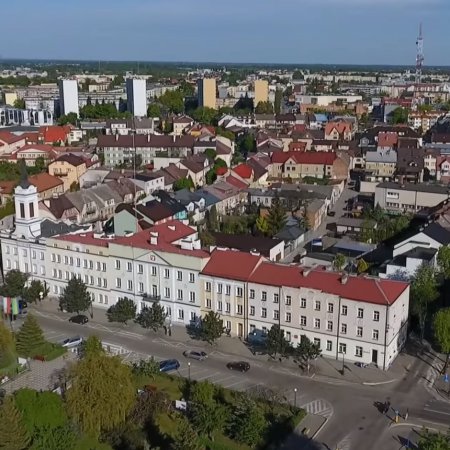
<point>7,305</point>
<point>15,306</point>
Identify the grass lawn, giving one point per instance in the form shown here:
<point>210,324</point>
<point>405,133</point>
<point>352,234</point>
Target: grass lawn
<point>9,370</point>
<point>50,351</point>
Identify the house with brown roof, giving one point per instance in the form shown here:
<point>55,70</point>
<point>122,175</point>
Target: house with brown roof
<point>9,142</point>
<point>338,131</point>
<point>30,153</point>
<point>181,123</point>
<point>197,167</point>
<point>69,168</point>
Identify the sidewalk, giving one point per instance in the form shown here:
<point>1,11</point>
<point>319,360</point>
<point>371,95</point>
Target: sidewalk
<point>303,436</point>
<point>323,368</point>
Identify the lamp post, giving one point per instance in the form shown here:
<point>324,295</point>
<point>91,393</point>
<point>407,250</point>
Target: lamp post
<point>189,371</point>
<point>41,296</point>
<point>343,362</point>
<point>295,397</point>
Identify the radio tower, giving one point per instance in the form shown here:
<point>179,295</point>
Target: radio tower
<point>419,56</point>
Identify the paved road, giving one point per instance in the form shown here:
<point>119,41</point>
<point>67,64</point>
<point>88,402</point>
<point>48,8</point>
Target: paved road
<point>354,422</point>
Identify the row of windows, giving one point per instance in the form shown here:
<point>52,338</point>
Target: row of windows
<point>24,252</point>
<point>239,308</point>
<point>140,270</point>
<point>87,264</point>
<point>219,288</point>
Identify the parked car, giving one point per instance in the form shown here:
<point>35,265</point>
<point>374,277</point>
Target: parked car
<point>331,213</point>
<point>241,366</point>
<point>72,342</point>
<point>194,354</point>
<point>169,365</point>
<point>80,318</point>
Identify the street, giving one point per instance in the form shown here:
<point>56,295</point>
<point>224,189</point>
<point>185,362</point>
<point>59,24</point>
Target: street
<point>354,421</point>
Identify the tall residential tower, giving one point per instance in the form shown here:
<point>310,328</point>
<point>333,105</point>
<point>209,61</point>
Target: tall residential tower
<point>137,97</point>
<point>207,92</point>
<point>68,97</point>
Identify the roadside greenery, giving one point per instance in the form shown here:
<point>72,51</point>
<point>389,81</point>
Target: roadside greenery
<point>75,297</point>
<point>122,311</point>
<point>152,318</point>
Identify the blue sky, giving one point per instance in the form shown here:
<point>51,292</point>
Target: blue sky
<point>274,31</point>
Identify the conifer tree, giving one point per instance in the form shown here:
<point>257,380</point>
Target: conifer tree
<point>30,338</point>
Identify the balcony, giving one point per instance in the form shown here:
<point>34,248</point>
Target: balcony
<point>151,298</point>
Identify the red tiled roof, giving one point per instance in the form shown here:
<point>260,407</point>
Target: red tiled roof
<point>231,264</point>
<point>44,181</point>
<point>244,171</point>
<point>341,127</point>
<point>387,139</point>
<point>280,157</point>
<point>54,133</point>
<point>172,231</point>
<point>370,290</point>
<point>221,171</point>
<point>10,138</point>
<point>236,183</point>
<point>323,158</point>
<point>40,147</point>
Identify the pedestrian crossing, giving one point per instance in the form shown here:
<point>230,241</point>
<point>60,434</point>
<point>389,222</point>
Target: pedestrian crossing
<point>319,407</point>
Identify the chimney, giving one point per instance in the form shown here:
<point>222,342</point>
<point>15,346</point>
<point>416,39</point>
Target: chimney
<point>117,137</point>
<point>148,137</point>
<point>174,138</point>
<point>154,240</point>
<point>171,227</point>
<point>344,278</point>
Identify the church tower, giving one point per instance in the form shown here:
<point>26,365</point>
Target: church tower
<point>28,223</point>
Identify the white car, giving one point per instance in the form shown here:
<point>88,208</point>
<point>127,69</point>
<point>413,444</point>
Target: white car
<point>72,342</point>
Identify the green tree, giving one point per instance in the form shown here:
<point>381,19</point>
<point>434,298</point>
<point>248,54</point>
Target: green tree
<point>441,326</point>
<point>433,441</point>
<point>183,183</point>
<point>68,119</point>
<point>102,393</point>
<point>262,225</point>
<point>58,438</point>
<point>210,153</point>
<point>92,347</point>
<point>14,283</point>
<point>339,262</point>
<point>30,338</point>
<point>32,292</point>
<point>40,165</point>
<point>19,103</point>
<point>276,342</point>
<point>212,221</point>
<point>297,75</point>
<point>205,115</point>
<point>400,115</point>
<point>206,238</point>
<point>443,259</point>
<point>74,187</point>
<point>210,176</point>
<point>75,297</point>
<point>186,437</point>
<point>7,347</point>
<point>276,219</point>
<point>212,327</point>
<point>13,433</point>
<point>187,89</point>
<point>153,317</point>
<point>246,144</point>
<point>202,392</point>
<point>306,350</point>
<point>147,368</point>
<point>154,110</point>
<point>123,311</point>
<point>423,292</point>
<point>264,108</point>
<point>247,421</point>
<point>172,101</point>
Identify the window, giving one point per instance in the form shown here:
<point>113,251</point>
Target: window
<point>303,303</point>
<point>192,315</point>
<point>263,313</point>
<point>7,249</point>
<point>141,287</point>
<point>317,342</point>
<point>154,271</point>
<point>228,325</point>
<point>276,314</point>
<point>42,270</point>
<point>22,210</point>
<point>118,283</point>
<point>329,325</point>
<point>78,262</point>
<point>252,293</point>
<point>288,336</point>
<point>342,348</point>
<point>41,256</point>
<point>360,313</point>
<point>239,309</point>
<point>343,328</point>
<point>85,263</point>
<point>15,252</point>
<point>117,264</point>
<point>99,282</point>
<point>359,331</point>
<point>179,275</point>
<point>33,254</point>
<point>276,298</point>
<point>227,289</point>
<point>239,292</point>
<point>60,274</point>
<point>263,296</point>
<point>129,266</point>
<point>219,306</point>
<point>288,317</point>
<point>130,285</point>
<point>252,310</point>
<point>208,303</point>
<point>167,292</point>
<point>34,268</point>
<point>316,323</point>
<point>329,346</point>
<point>24,253</point>
<point>375,335</point>
<point>166,273</point>
<point>303,321</point>
<point>192,297</point>
<point>180,314</point>
<point>330,307</point>
<point>71,260</point>
<point>358,351</point>
<point>208,286</point>
<point>227,307</point>
<point>31,210</point>
<point>288,300</point>
<point>191,277</point>
<point>91,264</point>
<point>317,305</point>
<point>376,316</point>
<point>219,288</point>
<point>140,268</point>
<point>179,294</point>
<point>105,282</point>
<point>344,310</point>
<point>98,266</point>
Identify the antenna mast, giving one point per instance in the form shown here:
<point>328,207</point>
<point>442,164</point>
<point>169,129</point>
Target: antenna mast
<point>419,57</point>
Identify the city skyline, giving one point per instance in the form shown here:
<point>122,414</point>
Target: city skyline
<point>234,33</point>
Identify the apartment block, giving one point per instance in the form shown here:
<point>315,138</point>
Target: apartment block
<point>207,93</point>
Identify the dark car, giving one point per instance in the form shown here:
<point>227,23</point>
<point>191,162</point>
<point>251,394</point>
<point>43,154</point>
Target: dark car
<point>195,354</point>
<point>23,304</point>
<point>331,213</point>
<point>241,366</point>
<point>80,318</point>
<point>168,365</point>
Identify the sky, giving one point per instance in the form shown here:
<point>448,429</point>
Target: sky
<point>243,31</point>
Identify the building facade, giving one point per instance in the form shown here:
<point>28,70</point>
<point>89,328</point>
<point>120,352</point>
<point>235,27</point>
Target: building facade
<point>137,97</point>
<point>68,97</point>
<point>207,92</point>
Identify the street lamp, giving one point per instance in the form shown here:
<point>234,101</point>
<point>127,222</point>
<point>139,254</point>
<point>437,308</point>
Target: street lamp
<point>41,296</point>
<point>189,370</point>
<point>343,362</point>
<point>295,397</point>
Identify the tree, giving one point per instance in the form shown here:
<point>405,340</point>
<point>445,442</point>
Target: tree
<point>262,225</point>
<point>75,297</point>
<point>202,393</point>
<point>297,75</point>
<point>102,393</point>
<point>276,342</point>
<point>14,283</point>
<point>276,219</point>
<point>19,103</point>
<point>7,347</point>
<point>74,187</point>
<point>40,165</point>
<point>443,259</point>
<point>186,437</point>
<point>423,292</point>
<point>172,101</point>
<point>91,347</point>
<point>434,441</point>
<point>212,327</point>
<point>67,119</point>
<point>212,222</point>
<point>153,317</point>
<point>206,238</point>
<point>14,435</point>
<point>339,262</point>
<point>58,438</point>
<point>246,144</point>
<point>210,176</point>
<point>30,338</point>
<point>205,115</point>
<point>306,350</point>
<point>400,115</point>
<point>210,153</point>
<point>154,110</point>
<point>247,421</point>
<point>441,326</point>
<point>362,266</point>
<point>123,311</point>
<point>264,108</point>
<point>147,368</point>
<point>32,292</point>
<point>183,183</point>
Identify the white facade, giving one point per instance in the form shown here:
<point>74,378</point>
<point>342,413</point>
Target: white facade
<point>68,97</point>
<point>136,97</point>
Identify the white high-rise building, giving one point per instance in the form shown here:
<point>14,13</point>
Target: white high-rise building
<point>68,97</point>
<point>137,97</point>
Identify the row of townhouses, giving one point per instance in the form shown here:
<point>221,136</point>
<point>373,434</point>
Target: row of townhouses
<point>358,318</point>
